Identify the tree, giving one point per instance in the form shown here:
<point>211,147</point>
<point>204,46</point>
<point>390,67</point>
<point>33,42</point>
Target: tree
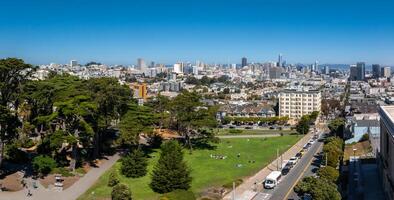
<point>134,165</point>
<point>171,171</point>
<point>113,179</point>
<point>43,164</point>
<point>121,192</point>
<point>138,119</point>
<point>13,74</point>
<point>336,126</point>
<point>329,173</point>
<point>303,125</point>
<point>333,150</point>
<point>190,116</point>
<point>320,189</point>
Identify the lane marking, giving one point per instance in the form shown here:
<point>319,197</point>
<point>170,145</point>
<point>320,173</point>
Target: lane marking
<point>302,173</point>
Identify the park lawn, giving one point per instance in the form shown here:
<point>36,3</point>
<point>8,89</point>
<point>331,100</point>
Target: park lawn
<point>206,171</point>
<point>225,131</point>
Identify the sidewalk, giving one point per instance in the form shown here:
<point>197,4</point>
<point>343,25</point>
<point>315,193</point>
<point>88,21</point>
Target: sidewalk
<point>245,190</point>
<point>71,193</point>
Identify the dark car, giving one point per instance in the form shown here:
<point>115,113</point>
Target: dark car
<point>307,197</point>
<point>299,155</point>
<point>286,169</point>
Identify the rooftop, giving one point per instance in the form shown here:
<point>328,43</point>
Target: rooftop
<point>389,111</point>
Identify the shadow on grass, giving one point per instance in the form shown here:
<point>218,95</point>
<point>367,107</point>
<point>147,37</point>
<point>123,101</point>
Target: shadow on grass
<point>203,144</point>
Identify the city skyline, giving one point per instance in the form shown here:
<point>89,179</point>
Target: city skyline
<point>219,31</point>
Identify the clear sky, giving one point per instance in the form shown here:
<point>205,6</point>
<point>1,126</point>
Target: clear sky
<point>120,31</point>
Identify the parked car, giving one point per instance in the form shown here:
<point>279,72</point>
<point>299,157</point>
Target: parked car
<point>293,160</point>
<point>298,155</point>
<point>286,169</point>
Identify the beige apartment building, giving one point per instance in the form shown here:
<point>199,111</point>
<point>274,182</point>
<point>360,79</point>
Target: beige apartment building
<point>297,102</point>
<point>386,154</point>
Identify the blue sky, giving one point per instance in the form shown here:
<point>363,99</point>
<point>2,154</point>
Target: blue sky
<point>120,31</point>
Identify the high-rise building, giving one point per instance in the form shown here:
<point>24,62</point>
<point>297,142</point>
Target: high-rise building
<point>326,69</point>
<point>353,73</point>
<point>360,71</point>
<point>178,68</point>
<point>275,72</point>
<point>280,61</point>
<point>244,62</point>
<point>73,63</point>
<point>141,64</point>
<point>296,103</point>
<point>376,71</point>
<point>386,72</point>
<point>385,156</point>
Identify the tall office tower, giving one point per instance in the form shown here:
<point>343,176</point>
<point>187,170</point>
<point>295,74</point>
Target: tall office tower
<point>73,63</point>
<point>178,68</point>
<point>141,64</point>
<point>316,66</point>
<point>360,71</point>
<point>244,62</point>
<point>279,64</point>
<point>152,64</point>
<point>353,73</point>
<point>275,72</point>
<point>375,70</point>
<point>386,72</point>
<point>326,69</point>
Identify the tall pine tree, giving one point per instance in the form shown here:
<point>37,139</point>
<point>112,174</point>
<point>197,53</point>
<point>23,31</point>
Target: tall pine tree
<point>134,164</point>
<point>171,171</point>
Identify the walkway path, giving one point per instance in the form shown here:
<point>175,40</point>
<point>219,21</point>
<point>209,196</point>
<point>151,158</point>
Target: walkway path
<point>71,193</point>
<point>248,136</point>
<point>246,191</point>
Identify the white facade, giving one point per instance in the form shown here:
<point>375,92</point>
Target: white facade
<point>297,103</point>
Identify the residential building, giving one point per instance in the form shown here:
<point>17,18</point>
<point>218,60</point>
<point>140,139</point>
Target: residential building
<point>298,102</point>
<point>140,90</point>
<point>386,154</point>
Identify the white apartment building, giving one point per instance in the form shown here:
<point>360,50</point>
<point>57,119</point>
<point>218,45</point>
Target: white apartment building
<point>298,102</point>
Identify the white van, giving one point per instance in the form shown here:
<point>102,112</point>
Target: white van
<point>272,179</point>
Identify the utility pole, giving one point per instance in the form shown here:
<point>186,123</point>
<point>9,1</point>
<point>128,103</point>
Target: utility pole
<point>277,159</point>
<point>233,190</point>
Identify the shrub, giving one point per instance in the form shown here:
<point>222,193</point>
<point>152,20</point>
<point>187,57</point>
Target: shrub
<point>134,165</point>
<point>320,189</point>
<point>365,137</point>
<point>180,194</point>
<point>235,131</point>
<point>43,164</point>
<point>113,179</point>
<point>121,192</point>
<point>61,170</point>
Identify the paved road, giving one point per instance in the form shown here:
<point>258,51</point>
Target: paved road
<point>310,171</point>
<point>71,193</point>
<point>287,183</point>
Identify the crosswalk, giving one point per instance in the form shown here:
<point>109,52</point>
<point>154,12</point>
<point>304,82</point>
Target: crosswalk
<point>262,196</point>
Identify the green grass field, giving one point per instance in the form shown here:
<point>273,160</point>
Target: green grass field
<point>252,131</point>
<point>206,171</point>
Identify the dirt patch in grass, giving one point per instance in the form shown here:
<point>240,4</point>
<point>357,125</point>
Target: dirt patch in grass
<point>363,149</point>
<point>50,180</point>
<point>12,182</point>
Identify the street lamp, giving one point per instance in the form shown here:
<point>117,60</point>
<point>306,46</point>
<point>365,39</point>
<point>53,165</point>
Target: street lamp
<point>354,153</point>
